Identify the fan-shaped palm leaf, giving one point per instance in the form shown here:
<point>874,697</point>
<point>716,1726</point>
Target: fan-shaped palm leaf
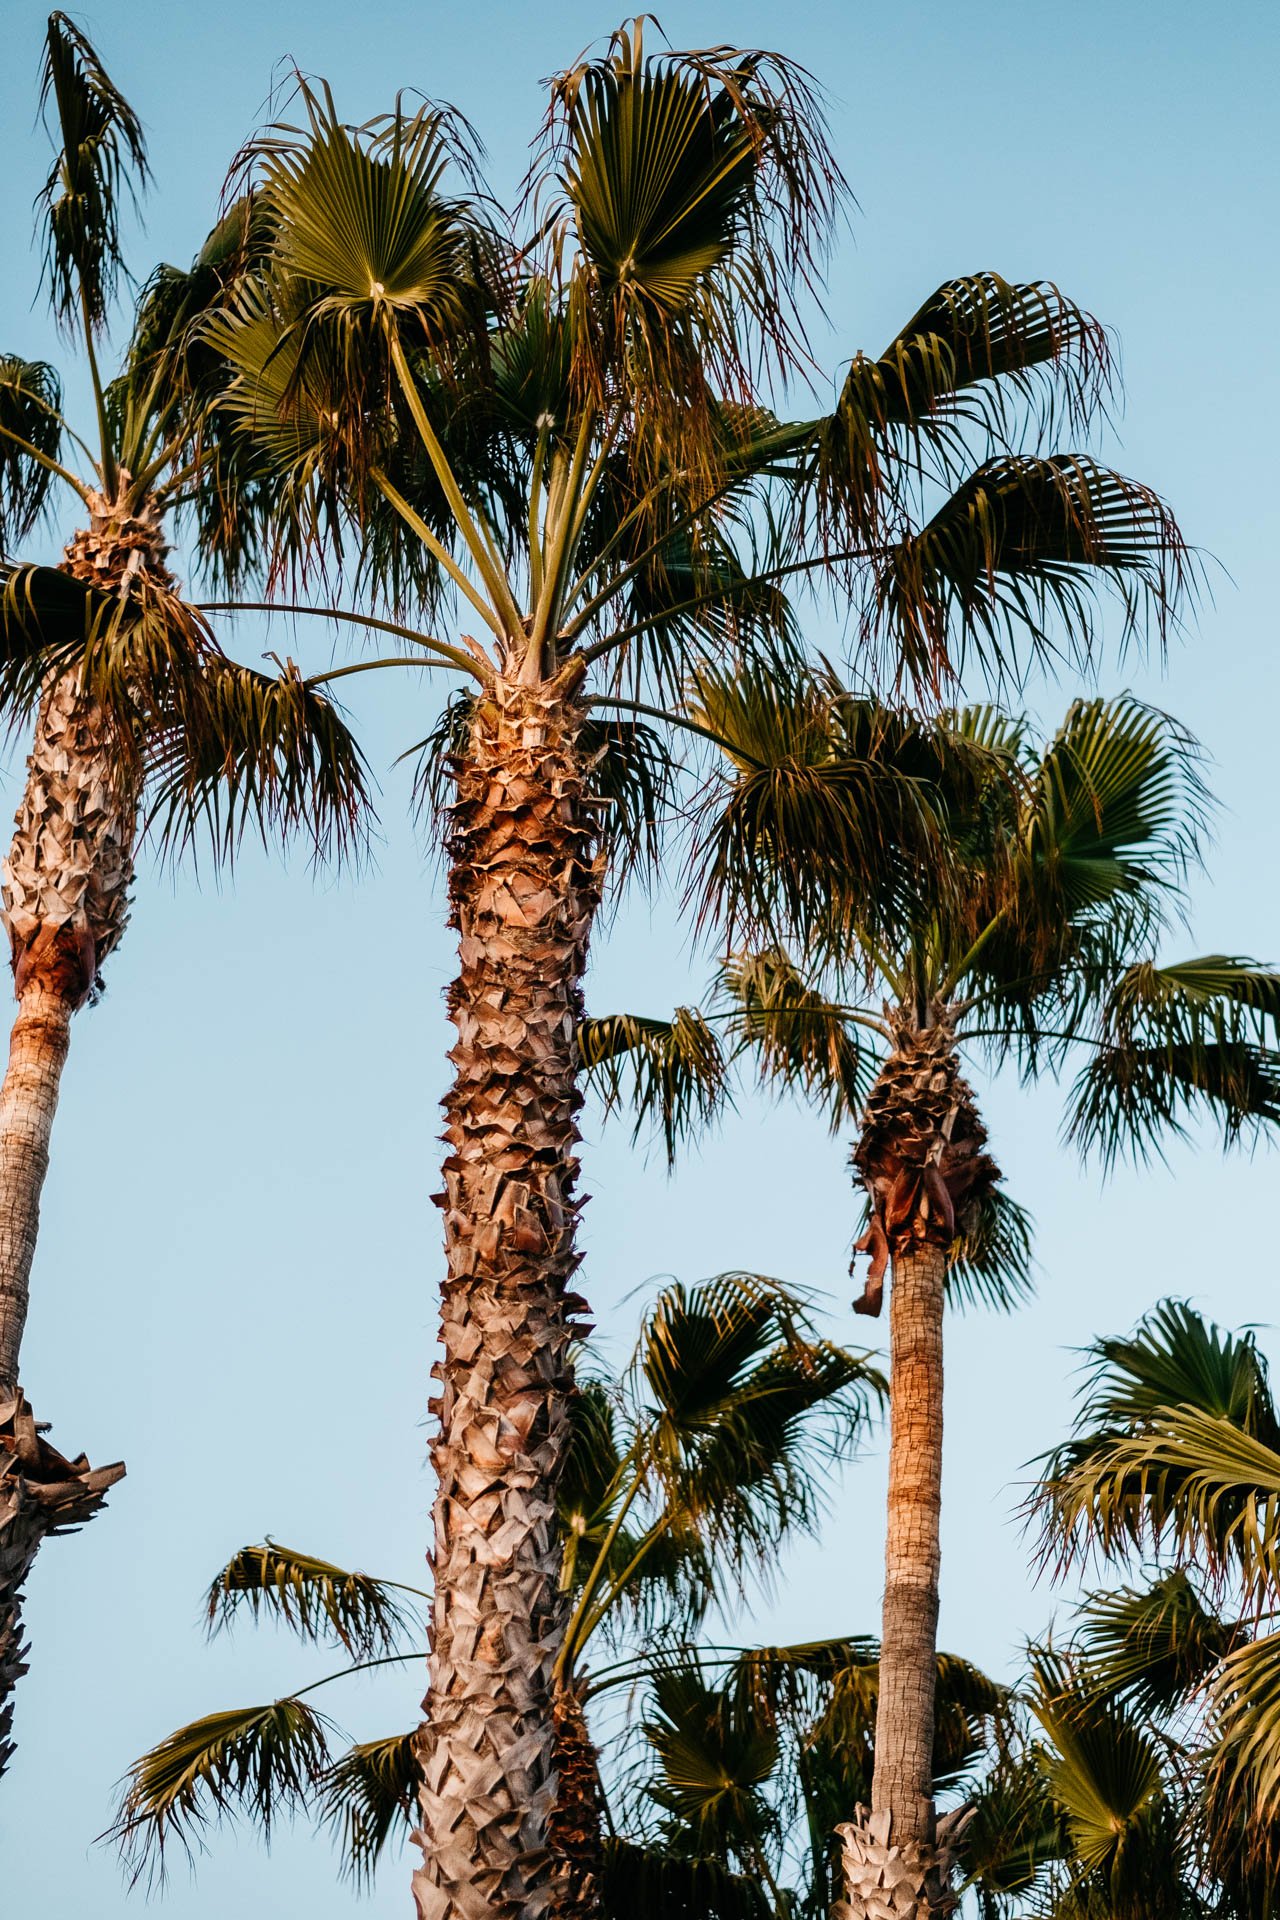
<point>1155,1644</point>
<point>367,1795</point>
<point>263,1761</point>
<point>31,429</point>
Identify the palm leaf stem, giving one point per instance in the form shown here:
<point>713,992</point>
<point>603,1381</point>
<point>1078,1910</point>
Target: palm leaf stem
<point>439,552</point>
<point>109,475</point>
<point>619,1582</point>
<point>479,539</point>
<point>569,1647</point>
<point>962,966</point>
<point>535,509</point>
<point>464,661</point>
<point>48,462</point>
<point>566,475</point>
<point>370,666</point>
<point>676,720</point>
<point>65,426</point>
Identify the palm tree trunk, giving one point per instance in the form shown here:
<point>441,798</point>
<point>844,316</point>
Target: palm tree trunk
<point>524,885</point>
<point>576,1823</point>
<point>66,893</point>
<point>921,1159</point>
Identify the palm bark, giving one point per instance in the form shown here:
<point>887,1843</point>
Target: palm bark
<point>66,894</point>
<point>524,885</point>
<point>575,1828</point>
<point>921,1159</point>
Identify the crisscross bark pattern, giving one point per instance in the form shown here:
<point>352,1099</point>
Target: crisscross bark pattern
<point>524,886</point>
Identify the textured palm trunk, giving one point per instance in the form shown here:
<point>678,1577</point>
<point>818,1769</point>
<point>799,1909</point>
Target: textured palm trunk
<point>576,1821</point>
<point>920,1157</point>
<point>524,885</point>
<point>66,892</point>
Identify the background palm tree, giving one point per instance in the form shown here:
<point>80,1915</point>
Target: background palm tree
<point>1026,940</point>
<point>572,442</point>
<point>1173,1474</point>
<point>685,1478</point>
<point>138,713</point>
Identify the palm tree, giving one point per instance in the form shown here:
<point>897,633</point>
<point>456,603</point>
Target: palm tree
<point>1173,1474</point>
<point>138,713</point>
<point>1027,941</point>
<point>684,1476</point>
<point>571,443</point>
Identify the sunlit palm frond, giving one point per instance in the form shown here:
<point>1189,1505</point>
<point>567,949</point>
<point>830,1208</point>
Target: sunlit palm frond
<point>315,1599</point>
<point>1104,1770</point>
<point>715,1764</point>
<point>100,155</point>
<point>671,1073</point>
<point>701,190</point>
<point>369,1794</point>
<point>978,349</point>
<point>1017,555</point>
<point>262,1761</point>
<point>30,434</point>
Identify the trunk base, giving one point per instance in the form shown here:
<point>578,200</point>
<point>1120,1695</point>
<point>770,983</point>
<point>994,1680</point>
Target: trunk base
<point>41,1493</point>
<point>888,1881</point>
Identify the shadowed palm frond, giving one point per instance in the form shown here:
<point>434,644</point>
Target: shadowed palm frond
<point>369,1794</point>
<point>1020,549</point>
<point>799,1037</point>
<point>1173,1041</point>
<point>640,1881</point>
<point>676,1069</point>
<point>30,435</point>
<point>315,1599</point>
<point>101,153</point>
<point>242,749</point>
<point>263,1761</point>
<point>991,1262</point>
<point>1155,1645</point>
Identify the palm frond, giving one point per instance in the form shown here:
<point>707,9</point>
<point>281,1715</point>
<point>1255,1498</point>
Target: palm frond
<point>263,1761</point>
<point>798,1037</point>
<point>367,1795</point>
<point>675,1069</point>
<point>315,1599</point>
<point>1018,553</point>
<point>978,347</point>
<point>1194,1036</point>
<point>991,1262</point>
<point>1155,1644</point>
<point>642,1880</point>
<point>101,153</point>
<point>30,426</point>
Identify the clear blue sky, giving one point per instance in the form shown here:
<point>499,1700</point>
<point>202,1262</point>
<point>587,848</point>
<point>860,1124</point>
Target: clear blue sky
<point>235,1288</point>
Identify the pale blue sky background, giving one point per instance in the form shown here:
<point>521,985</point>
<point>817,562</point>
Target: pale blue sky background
<point>235,1288</point>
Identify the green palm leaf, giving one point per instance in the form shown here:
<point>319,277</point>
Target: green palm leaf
<point>676,1068</point>
<point>367,1795</point>
<point>1021,548</point>
<point>315,1599</point>
<point>30,435</point>
<point>640,1881</point>
<point>1155,1644</point>
<point>101,152</point>
<point>263,1761</point>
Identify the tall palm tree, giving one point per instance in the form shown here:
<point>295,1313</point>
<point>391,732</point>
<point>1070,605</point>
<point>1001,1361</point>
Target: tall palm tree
<point>138,713</point>
<point>1028,942</point>
<point>684,1475</point>
<point>571,444</point>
